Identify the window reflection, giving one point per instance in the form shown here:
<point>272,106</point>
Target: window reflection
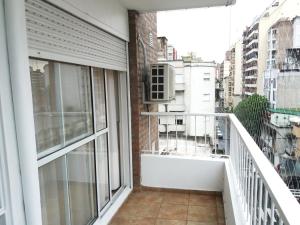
<point>61,102</point>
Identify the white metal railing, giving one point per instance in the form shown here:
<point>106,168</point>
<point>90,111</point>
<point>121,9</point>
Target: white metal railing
<point>180,133</point>
<point>265,197</point>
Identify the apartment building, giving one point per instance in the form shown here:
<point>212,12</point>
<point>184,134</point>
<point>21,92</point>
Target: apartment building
<point>255,41</point>
<point>227,80</point>
<point>195,93</point>
<point>250,59</point>
<point>281,75</point>
<point>232,81</point>
<point>219,88</point>
<point>238,73</point>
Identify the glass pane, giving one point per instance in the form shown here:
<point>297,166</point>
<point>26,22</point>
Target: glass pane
<point>82,186</point>
<point>114,129</point>
<point>2,220</point>
<point>99,97</point>
<point>53,188</point>
<point>46,104</point>
<point>102,156</point>
<point>77,107</point>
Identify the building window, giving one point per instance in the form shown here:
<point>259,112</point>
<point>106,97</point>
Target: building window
<point>274,95</point>
<point>179,78</point>
<point>206,76</point>
<point>179,121</point>
<point>206,97</point>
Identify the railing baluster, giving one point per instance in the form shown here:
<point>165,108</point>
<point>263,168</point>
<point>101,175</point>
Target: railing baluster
<point>248,186</point>
<point>280,221</point>
<point>205,130</point>
<point>260,201</point>
<point>272,212</point>
<point>149,133</point>
<point>255,199</point>
<point>215,138</point>
<point>158,125</point>
<point>195,135</point>
<point>176,132</point>
<point>265,207</point>
<point>186,134</point>
<point>167,133</point>
<point>252,193</point>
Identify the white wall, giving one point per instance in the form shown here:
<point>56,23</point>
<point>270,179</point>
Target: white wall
<point>232,205</point>
<point>110,15</point>
<point>188,173</point>
<point>296,34</point>
<point>200,98</point>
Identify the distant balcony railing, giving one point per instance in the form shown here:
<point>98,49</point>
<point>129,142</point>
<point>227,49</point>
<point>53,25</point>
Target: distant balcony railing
<point>187,134</point>
<point>261,195</point>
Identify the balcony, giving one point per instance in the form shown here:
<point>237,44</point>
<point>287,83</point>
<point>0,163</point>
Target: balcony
<point>229,164</point>
<point>171,207</point>
<point>250,85</point>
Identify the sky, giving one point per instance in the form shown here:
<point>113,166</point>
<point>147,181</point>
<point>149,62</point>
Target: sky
<point>209,32</point>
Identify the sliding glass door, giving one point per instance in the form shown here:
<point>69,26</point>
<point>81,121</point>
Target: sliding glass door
<point>80,128</point>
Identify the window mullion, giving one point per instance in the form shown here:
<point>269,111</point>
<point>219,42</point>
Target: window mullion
<point>60,93</point>
<point>66,191</point>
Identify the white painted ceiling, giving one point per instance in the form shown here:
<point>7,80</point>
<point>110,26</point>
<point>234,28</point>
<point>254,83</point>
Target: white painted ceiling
<point>161,5</point>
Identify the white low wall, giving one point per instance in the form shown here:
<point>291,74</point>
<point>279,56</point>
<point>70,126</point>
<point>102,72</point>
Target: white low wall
<point>178,172</point>
<point>231,198</point>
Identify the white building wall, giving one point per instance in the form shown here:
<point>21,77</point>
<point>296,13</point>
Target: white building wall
<point>238,68</point>
<point>110,15</point>
<point>296,34</point>
<point>286,9</point>
<point>200,98</point>
<point>195,93</point>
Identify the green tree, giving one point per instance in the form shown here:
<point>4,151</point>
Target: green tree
<point>251,112</point>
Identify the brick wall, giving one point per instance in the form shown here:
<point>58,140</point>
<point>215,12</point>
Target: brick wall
<point>141,24</point>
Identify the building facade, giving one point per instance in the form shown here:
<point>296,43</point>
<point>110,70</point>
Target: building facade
<point>195,93</point>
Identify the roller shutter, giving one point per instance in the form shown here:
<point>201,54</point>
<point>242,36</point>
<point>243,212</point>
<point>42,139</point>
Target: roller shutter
<point>56,34</point>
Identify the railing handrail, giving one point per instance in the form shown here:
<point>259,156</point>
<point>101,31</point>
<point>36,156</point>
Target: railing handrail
<point>284,200</point>
<point>183,114</point>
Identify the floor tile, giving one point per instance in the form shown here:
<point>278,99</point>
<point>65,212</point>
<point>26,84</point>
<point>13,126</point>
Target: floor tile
<point>202,200</point>
<point>201,223</point>
<point>173,212</point>
<point>176,198</point>
<point>202,214</point>
<point>126,221</point>
<point>170,222</point>
<point>139,210</point>
<point>145,197</point>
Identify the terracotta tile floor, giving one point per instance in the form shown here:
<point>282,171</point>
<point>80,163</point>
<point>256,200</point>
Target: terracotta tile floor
<point>171,208</point>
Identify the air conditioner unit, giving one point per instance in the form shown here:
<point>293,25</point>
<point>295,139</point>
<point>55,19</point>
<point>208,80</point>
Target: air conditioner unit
<point>162,83</point>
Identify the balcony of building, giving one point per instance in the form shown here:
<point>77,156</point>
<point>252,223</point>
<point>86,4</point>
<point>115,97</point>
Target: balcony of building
<point>167,207</point>
<point>190,173</point>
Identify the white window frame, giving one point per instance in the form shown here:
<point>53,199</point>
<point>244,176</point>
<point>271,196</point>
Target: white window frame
<point>11,188</point>
<point>126,179</point>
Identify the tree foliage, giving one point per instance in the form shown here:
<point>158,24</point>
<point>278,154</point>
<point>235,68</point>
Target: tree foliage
<point>251,113</point>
